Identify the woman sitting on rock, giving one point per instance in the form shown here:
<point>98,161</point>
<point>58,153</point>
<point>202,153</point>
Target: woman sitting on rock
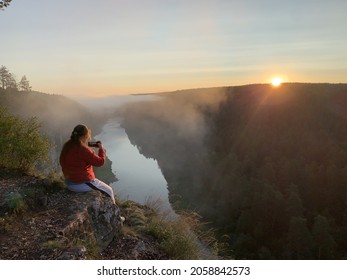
<point>77,161</point>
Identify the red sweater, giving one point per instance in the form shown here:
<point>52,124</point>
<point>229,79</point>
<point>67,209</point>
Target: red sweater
<point>78,164</point>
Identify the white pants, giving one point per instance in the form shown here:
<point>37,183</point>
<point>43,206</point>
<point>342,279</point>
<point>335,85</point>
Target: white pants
<point>95,184</point>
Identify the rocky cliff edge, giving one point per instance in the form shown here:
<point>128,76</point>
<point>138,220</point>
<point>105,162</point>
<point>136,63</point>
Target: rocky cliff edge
<point>40,219</point>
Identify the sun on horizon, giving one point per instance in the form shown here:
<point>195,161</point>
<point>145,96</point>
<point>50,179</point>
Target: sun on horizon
<point>276,81</point>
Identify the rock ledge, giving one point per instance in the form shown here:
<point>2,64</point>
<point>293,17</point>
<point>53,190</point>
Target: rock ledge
<point>41,221</point>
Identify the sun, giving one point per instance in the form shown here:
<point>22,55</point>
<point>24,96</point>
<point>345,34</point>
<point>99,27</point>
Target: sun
<point>276,81</point>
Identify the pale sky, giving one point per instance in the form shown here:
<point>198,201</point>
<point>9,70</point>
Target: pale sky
<point>109,47</point>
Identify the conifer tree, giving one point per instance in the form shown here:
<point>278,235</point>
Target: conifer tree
<point>299,239</point>
<point>24,84</point>
<point>325,244</point>
<point>4,4</point>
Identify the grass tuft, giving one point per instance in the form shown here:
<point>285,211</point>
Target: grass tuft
<point>183,237</point>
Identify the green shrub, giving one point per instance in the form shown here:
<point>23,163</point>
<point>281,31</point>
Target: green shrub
<point>21,144</point>
<point>16,203</point>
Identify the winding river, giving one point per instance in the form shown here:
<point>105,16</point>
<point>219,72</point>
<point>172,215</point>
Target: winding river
<point>139,178</point>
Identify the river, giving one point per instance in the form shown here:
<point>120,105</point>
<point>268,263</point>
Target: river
<point>139,178</point>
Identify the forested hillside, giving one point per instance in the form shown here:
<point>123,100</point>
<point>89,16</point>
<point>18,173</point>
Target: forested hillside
<point>266,166</point>
<point>57,114</point>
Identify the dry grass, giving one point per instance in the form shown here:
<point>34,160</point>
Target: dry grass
<point>180,238</point>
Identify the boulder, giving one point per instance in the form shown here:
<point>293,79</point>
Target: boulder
<point>92,213</point>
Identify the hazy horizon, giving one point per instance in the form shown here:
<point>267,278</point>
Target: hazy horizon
<point>81,48</point>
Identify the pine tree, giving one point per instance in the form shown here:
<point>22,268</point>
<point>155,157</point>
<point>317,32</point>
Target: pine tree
<point>4,4</point>
<point>4,77</point>
<point>325,244</point>
<point>24,84</point>
<point>299,239</point>
<point>294,205</point>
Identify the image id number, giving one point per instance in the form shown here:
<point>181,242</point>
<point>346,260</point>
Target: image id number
<point>241,270</point>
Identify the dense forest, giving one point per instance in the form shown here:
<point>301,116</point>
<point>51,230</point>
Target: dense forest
<point>266,166</point>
